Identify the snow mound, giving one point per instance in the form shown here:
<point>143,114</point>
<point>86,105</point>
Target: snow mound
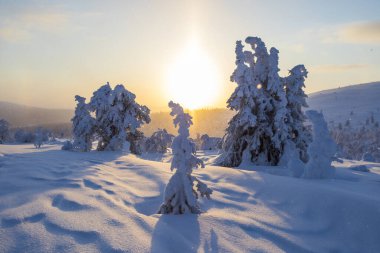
<point>57,201</point>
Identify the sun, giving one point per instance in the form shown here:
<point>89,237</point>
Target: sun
<point>192,79</point>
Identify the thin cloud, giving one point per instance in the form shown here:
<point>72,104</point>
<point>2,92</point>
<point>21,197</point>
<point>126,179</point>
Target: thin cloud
<point>22,27</point>
<point>337,68</point>
<point>367,32</point>
<point>297,48</point>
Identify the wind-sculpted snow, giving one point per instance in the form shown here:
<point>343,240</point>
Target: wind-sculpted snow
<point>57,201</point>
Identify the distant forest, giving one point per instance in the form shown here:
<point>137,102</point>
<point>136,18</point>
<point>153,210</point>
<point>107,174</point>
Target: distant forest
<point>206,121</point>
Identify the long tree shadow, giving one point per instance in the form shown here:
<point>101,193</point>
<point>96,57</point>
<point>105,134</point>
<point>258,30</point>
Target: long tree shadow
<point>212,246</point>
<point>176,233</point>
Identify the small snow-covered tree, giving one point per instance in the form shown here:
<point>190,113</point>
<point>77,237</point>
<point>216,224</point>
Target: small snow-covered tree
<point>258,129</point>
<point>159,142</point>
<point>83,126</point>
<point>180,196</point>
<point>296,99</point>
<point>4,130</point>
<point>116,114</point>
<point>67,145</point>
<point>38,137</point>
<point>321,150</point>
<point>136,142</point>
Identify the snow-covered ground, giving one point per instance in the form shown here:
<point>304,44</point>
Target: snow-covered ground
<point>59,201</point>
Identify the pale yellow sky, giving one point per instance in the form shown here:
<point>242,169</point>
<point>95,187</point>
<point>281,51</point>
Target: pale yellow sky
<point>52,50</point>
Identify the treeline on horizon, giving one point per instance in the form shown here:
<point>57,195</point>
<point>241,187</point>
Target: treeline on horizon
<point>206,121</point>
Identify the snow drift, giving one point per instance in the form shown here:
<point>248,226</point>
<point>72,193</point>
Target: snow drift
<point>57,201</point>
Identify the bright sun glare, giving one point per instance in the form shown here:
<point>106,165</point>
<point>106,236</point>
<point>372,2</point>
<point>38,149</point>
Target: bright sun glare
<point>192,79</point>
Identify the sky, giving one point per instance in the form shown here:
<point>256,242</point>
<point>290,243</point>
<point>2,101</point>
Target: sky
<point>51,51</point>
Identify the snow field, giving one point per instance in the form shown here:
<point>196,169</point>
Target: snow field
<point>59,201</point>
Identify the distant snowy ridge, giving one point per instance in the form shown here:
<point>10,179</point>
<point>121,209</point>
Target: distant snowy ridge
<point>22,115</point>
<point>355,103</point>
<point>336,105</point>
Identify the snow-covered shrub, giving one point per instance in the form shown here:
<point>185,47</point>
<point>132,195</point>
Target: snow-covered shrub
<point>136,141</point>
<point>67,145</point>
<point>209,143</point>
<point>116,115</point>
<point>159,142</point>
<point>180,195</point>
<point>83,126</point>
<point>321,150</point>
<point>4,130</point>
<point>291,160</point>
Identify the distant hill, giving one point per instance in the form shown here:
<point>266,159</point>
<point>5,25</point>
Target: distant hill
<point>355,103</point>
<point>26,116</point>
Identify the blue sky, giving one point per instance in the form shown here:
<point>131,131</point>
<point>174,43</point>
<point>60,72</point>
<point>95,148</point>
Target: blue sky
<point>53,50</point>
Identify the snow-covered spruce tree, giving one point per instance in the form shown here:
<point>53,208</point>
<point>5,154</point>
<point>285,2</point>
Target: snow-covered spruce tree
<point>83,126</point>
<point>296,97</point>
<point>258,131</point>
<point>280,123</point>
<point>180,196</point>
<point>321,150</point>
<point>4,130</point>
<point>116,115</point>
<point>100,106</point>
<point>159,142</point>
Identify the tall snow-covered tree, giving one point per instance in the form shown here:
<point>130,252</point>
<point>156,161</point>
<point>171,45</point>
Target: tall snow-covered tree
<point>116,114</point>
<point>258,131</point>
<point>83,126</point>
<point>4,130</point>
<point>180,196</point>
<point>159,142</point>
<point>296,97</point>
